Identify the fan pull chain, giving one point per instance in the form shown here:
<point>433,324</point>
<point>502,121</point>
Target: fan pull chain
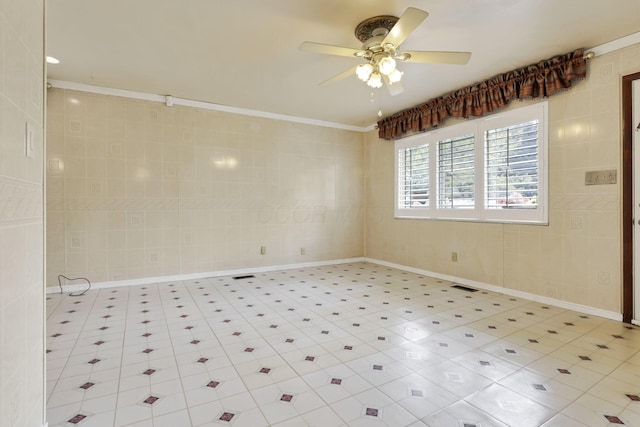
<point>373,100</point>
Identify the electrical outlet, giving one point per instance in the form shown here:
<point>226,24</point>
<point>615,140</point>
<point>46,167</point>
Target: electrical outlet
<point>601,177</point>
<point>454,256</point>
<point>96,188</point>
<point>55,166</point>
<point>116,149</point>
<point>76,242</point>
<point>263,250</point>
<point>604,278</point>
<point>136,219</point>
<point>75,126</point>
<point>576,222</point>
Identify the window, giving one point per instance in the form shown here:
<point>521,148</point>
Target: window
<point>488,169</point>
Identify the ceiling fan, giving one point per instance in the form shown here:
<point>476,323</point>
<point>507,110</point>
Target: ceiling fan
<point>381,37</point>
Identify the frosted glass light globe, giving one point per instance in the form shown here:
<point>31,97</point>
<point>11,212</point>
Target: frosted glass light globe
<point>364,71</point>
<point>387,65</point>
<point>375,80</point>
<point>395,76</point>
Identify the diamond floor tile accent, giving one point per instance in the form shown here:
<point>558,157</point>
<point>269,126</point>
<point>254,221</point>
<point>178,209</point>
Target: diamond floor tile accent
<point>151,400</point>
<point>372,412</point>
<point>613,419</point>
<point>77,419</point>
<point>286,398</point>
<point>227,416</point>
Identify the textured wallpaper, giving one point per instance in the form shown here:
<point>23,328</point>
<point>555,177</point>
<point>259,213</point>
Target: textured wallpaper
<point>136,189</point>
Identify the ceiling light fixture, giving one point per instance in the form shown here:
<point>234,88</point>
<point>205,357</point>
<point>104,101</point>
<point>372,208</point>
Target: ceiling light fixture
<point>381,37</point>
<point>52,60</point>
<point>380,66</point>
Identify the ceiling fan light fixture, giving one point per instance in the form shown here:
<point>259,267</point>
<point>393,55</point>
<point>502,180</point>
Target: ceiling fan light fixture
<point>382,37</point>
<point>387,65</point>
<point>363,71</point>
<point>375,81</point>
<point>395,76</point>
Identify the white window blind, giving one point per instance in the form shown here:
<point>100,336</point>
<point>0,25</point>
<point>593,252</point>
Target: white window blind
<point>512,166</point>
<point>413,177</point>
<point>456,180</point>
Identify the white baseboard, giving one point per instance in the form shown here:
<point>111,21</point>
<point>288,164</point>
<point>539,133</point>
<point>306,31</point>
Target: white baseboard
<point>485,286</point>
<point>636,322</point>
<point>502,290</point>
<point>196,276</point>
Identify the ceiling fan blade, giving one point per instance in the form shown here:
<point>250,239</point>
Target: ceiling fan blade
<point>408,22</point>
<point>343,75</point>
<point>328,49</point>
<point>394,88</point>
<point>436,57</point>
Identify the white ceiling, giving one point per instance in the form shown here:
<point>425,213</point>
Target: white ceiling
<point>244,53</point>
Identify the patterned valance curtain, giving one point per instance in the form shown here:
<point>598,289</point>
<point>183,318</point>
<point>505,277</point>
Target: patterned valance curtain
<point>533,81</point>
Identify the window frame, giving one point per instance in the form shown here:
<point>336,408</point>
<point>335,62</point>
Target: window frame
<point>478,127</point>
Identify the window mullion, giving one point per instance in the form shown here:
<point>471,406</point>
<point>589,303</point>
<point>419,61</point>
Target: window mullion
<point>481,147</point>
<point>508,170</point>
<point>434,195</point>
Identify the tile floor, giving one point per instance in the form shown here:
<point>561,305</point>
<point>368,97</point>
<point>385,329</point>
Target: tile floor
<point>345,345</point>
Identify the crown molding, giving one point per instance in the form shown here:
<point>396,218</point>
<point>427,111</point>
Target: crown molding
<point>613,45</point>
<point>171,100</point>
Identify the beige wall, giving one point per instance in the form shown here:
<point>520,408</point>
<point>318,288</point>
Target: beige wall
<point>137,189</point>
<point>577,258</point>
<point>21,214</point>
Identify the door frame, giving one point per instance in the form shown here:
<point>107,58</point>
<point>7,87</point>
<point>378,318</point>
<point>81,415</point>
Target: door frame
<point>627,196</point>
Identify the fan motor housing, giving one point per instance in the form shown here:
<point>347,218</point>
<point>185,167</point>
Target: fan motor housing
<point>377,26</point>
